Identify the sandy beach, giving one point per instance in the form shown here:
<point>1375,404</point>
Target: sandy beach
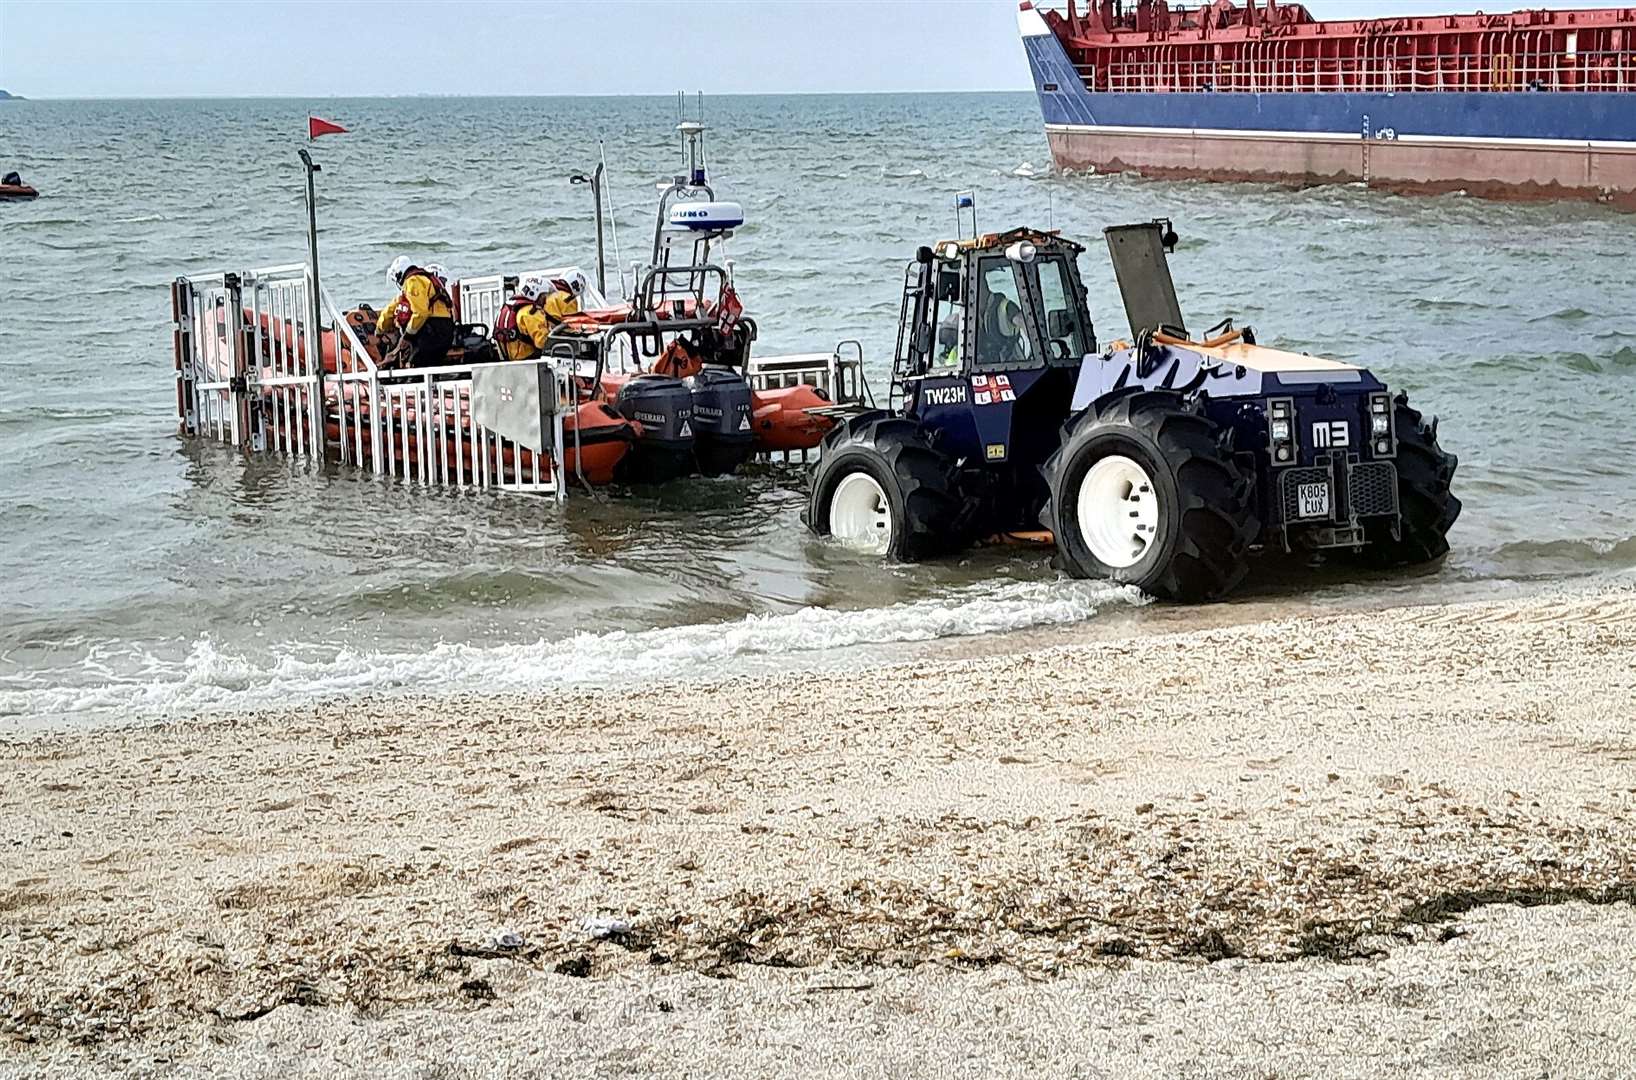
<point>1365,843</point>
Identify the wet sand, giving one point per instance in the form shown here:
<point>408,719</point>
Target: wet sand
<point>1369,843</point>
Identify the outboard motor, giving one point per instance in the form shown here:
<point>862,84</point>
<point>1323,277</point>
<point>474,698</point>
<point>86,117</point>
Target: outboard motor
<point>723,436</point>
<point>663,406</point>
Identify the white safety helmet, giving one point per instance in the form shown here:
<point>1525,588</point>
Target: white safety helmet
<point>577,283</point>
<point>400,266</point>
<point>437,271</point>
<point>532,287</point>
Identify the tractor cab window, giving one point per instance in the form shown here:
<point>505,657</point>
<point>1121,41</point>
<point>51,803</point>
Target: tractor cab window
<point>1002,335</point>
<point>950,317</point>
<point>1064,321</point>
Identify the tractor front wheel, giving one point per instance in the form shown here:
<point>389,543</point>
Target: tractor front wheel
<point>1145,491</point>
<point>879,486</point>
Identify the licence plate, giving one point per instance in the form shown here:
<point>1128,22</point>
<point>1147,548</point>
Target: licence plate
<point>1313,500</point>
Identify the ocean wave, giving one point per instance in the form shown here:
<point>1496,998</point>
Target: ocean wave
<point>1432,303</point>
<point>1620,359</point>
<point>1568,314</point>
<point>1552,558</point>
<point>209,678</point>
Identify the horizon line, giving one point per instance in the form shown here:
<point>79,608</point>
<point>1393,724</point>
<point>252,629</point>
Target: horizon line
<point>480,97</point>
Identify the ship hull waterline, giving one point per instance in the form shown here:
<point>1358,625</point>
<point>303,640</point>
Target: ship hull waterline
<point>1528,172</point>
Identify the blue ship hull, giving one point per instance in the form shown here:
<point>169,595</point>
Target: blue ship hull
<point>1507,144</point>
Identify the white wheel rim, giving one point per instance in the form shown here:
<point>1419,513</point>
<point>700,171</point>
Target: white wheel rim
<point>859,515</point>
<point>1118,511</point>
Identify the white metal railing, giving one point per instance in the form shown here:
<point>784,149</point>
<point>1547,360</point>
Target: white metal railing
<point>418,424</point>
<point>244,369</point>
<point>251,372</point>
<point>1549,72</point>
<point>482,297</point>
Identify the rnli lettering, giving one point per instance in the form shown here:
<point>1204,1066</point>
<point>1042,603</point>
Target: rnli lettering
<point>1331,433</point>
<point>946,395</point>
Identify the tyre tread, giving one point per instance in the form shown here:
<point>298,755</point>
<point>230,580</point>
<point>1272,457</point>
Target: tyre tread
<point>1216,495</point>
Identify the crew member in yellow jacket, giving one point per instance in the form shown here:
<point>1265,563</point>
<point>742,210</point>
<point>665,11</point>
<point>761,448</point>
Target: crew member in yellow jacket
<point>562,300</point>
<point>423,315</point>
<point>522,326</point>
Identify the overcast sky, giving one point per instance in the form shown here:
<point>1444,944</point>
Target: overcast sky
<point>351,48</point>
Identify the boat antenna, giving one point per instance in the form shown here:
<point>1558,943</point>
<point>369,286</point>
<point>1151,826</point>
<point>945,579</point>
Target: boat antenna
<point>704,155</point>
<point>613,218</point>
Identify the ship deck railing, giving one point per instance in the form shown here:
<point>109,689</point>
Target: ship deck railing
<point>1546,72</point>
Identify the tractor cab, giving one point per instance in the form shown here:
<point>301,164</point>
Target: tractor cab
<point>992,333</point>
<point>996,304</point>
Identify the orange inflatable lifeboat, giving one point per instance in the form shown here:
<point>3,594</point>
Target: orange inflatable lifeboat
<point>605,437</point>
<point>782,422</point>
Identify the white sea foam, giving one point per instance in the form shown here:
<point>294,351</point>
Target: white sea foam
<point>209,679</point>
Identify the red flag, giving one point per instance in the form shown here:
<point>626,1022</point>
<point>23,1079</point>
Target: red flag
<point>317,127</point>
<point>727,314</point>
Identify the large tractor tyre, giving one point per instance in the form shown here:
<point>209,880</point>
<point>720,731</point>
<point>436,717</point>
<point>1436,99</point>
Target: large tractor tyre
<point>1427,506</point>
<point>1145,491</point>
<point>879,486</point>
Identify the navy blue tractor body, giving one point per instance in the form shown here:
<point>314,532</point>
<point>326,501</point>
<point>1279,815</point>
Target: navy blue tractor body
<point>1162,461</point>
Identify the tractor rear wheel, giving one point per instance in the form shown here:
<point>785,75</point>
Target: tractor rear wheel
<point>879,486</point>
<point>1426,504</point>
<point>1145,491</point>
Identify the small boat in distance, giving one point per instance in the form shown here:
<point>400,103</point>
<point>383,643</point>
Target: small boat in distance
<point>12,189</point>
<point>1526,104</point>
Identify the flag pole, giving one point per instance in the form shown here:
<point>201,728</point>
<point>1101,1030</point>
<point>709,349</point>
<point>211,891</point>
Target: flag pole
<point>315,335</point>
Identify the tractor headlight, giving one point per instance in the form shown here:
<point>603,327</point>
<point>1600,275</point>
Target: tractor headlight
<point>1281,430</point>
<point>1380,423</point>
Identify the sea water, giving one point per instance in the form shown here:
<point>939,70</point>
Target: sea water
<point>144,575</point>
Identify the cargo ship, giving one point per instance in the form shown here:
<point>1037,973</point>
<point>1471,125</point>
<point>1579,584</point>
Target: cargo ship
<point>1527,104</point>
